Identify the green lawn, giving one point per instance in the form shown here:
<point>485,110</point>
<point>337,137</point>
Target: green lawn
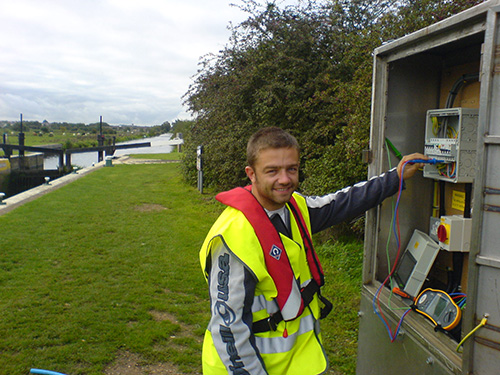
<point>109,264</point>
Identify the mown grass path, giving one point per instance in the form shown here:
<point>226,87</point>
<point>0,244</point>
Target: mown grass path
<point>106,269</point>
<point>87,270</point>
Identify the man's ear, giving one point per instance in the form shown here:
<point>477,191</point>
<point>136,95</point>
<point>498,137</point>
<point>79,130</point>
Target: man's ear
<point>250,173</point>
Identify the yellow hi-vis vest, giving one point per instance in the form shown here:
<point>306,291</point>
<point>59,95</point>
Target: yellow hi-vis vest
<point>230,346</point>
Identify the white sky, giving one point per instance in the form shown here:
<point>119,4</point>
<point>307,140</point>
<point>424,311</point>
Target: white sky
<point>129,61</point>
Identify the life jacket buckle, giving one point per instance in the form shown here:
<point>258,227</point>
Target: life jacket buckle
<point>272,323</point>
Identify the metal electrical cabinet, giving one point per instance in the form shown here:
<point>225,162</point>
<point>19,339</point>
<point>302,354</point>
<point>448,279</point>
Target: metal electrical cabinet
<point>412,76</point>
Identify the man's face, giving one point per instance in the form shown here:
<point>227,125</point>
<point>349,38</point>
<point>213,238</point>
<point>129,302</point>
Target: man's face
<point>275,176</point>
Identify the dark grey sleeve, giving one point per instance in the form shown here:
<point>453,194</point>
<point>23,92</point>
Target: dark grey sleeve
<point>349,203</point>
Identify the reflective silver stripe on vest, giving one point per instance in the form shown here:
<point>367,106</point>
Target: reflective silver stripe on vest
<point>272,345</point>
<point>261,303</point>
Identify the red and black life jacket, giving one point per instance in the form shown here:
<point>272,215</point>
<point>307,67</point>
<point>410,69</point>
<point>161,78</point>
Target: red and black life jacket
<point>291,298</point>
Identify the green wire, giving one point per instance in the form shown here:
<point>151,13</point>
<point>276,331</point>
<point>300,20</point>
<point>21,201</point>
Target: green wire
<point>393,149</point>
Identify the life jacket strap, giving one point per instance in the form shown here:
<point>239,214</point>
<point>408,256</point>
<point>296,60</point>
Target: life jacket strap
<point>327,308</point>
<point>271,322</point>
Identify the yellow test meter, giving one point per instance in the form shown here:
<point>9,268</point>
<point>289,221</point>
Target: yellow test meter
<point>439,307</point>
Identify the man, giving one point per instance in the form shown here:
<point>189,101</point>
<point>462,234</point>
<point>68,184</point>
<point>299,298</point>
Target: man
<point>263,274</point>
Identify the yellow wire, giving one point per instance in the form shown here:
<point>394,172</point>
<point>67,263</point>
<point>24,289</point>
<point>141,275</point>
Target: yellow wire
<point>483,323</point>
<point>435,125</point>
<point>452,133</point>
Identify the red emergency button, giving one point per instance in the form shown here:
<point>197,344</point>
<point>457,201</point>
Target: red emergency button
<point>442,233</point>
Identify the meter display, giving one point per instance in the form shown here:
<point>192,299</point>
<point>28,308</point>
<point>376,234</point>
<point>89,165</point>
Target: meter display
<point>439,308</point>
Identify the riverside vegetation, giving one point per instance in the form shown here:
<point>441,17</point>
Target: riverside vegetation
<point>83,135</point>
<point>106,268</point>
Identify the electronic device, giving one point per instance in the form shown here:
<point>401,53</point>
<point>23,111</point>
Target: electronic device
<point>439,307</point>
<point>416,262</point>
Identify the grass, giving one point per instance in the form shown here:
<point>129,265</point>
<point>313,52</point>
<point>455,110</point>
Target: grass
<point>96,258</point>
<point>86,271</point>
<point>342,262</point>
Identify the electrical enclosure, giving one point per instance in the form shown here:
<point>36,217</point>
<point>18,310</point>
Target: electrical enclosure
<point>412,84</point>
<point>451,136</point>
<point>454,233</point>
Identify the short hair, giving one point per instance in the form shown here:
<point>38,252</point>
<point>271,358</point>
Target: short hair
<point>271,137</point>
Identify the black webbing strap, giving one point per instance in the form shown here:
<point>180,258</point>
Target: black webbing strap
<point>267,324</point>
<point>327,308</point>
<point>271,323</point>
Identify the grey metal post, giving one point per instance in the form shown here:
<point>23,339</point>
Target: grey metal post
<point>21,139</point>
<point>100,141</point>
<point>199,166</point>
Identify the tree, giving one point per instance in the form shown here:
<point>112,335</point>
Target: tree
<point>268,76</point>
<point>306,68</point>
<point>165,127</point>
<point>182,126</point>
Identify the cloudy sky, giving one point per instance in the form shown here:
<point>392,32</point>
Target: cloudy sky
<point>130,61</point>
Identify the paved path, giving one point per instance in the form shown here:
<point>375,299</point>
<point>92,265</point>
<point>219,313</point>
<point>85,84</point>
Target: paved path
<point>128,160</point>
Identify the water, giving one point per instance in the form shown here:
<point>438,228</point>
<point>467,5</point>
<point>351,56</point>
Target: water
<point>159,145</point>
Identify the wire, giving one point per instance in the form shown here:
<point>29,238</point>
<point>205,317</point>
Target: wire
<point>376,299</point>
<point>395,226</point>
<point>388,145</point>
<point>44,372</point>
<point>400,323</point>
<point>448,170</point>
<point>464,79</point>
<point>481,324</point>
<point>459,298</point>
<point>435,126</point>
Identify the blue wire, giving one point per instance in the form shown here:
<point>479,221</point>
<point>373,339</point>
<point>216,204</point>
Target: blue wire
<point>394,227</point>
<point>378,313</point>
<point>44,372</point>
<point>397,241</point>
<point>426,161</point>
<point>400,324</point>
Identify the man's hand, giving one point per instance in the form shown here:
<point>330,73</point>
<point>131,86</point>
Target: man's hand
<point>410,168</point>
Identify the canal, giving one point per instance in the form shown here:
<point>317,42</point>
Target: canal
<point>159,145</point>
